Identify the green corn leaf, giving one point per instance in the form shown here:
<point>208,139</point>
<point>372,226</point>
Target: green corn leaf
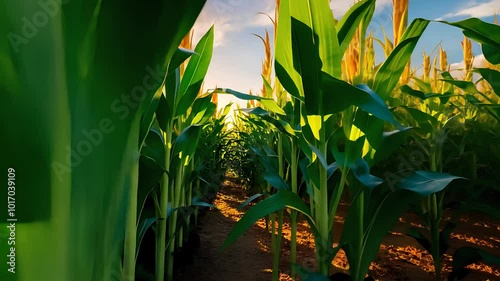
<point>195,73</point>
<point>304,145</point>
<point>150,173</point>
<point>387,77</point>
<point>148,118</point>
<point>361,171</point>
<point>389,143</point>
<point>478,30</point>
<point>423,96</point>
<point>320,156</point>
<point>198,203</point>
<point>267,85</point>
<point>142,227</point>
<point>487,34</point>
<point>382,216</point>
<point>187,141</point>
<point>423,120</point>
<point>374,105</point>
<point>272,106</point>
<point>491,54</point>
<point>307,54</point>
<point>180,56</point>
<point>154,146</point>
<point>423,85</point>
<point>351,151</point>
<point>492,109</point>
<point>284,56</point>
<point>282,199</point>
<point>70,60</point>
<point>464,85</point>
<point>259,111</point>
<point>360,95</point>
<point>165,109</point>
<point>276,181</point>
<point>426,183</point>
<point>318,18</point>
<point>492,77</point>
<point>382,212</point>
<point>313,174</point>
<point>240,95</point>
<point>350,22</point>
<point>278,123</point>
<point>307,62</point>
<point>249,200</point>
<point>202,110</point>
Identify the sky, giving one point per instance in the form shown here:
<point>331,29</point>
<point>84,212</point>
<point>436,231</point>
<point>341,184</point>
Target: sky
<point>238,53</point>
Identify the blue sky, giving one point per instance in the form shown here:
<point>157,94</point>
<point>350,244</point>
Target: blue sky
<point>238,54</point>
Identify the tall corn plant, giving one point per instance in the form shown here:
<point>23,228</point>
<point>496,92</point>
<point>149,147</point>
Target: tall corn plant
<point>276,92</point>
<point>175,120</point>
<point>309,50</point>
<point>80,74</point>
<point>441,104</point>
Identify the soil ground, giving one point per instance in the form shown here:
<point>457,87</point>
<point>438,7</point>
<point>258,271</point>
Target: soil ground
<point>400,258</point>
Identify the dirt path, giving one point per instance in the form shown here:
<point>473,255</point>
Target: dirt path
<point>247,259</point>
<point>400,257</point>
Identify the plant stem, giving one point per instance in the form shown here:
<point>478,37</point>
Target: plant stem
<point>162,218</point>
<point>277,239</point>
<point>324,227</point>
<point>336,199</point>
<point>272,219</point>
<point>131,230</point>
<point>434,212</point>
<point>360,238</point>
<point>277,251</point>
<point>293,242</point>
<point>176,200</point>
<point>171,246</point>
<point>293,214</point>
<point>436,256</point>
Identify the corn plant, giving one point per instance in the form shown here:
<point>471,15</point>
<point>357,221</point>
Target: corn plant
<point>173,125</point>
<point>261,143</point>
<point>440,105</point>
<point>199,187</point>
<point>88,71</point>
<point>308,67</point>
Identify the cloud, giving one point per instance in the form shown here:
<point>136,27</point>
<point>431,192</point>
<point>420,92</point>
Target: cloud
<point>479,61</point>
<point>457,69</point>
<point>475,9</point>
<point>232,15</point>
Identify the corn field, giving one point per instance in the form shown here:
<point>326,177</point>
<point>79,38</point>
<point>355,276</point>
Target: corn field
<point>120,160</point>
